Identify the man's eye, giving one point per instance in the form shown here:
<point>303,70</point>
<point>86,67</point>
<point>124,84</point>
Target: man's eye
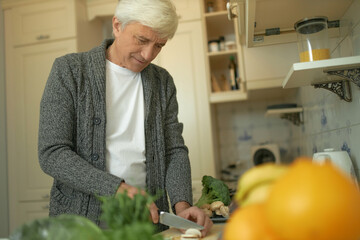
<point>159,45</point>
<point>141,41</point>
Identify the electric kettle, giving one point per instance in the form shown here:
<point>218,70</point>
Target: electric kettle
<point>340,159</point>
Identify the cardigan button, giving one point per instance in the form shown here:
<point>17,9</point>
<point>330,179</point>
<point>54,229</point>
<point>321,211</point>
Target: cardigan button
<point>97,121</point>
<point>94,157</point>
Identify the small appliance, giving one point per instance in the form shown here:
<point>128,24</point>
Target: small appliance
<point>341,159</point>
<point>264,153</point>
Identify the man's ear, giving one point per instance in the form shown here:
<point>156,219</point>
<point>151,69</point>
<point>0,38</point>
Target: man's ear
<point>116,26</point>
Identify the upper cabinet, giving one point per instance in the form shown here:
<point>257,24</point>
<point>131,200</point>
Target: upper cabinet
<point>226,83</point>
<point>29,26</point>
<point>187,9</point>
<point>272,21</point>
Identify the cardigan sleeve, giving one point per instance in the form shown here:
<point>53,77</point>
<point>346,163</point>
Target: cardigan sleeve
<point>178,176</point>
<point>57,136</point>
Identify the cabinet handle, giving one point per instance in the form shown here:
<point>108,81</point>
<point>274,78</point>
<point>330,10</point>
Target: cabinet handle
<point>46,196</point>
<point>42,37</point>
<point>229,8</point>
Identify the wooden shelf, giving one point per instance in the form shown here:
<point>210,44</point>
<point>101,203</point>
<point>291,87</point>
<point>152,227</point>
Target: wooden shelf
<point>228,96</point>
<point>316,72</point>
<point>222,53</point>
<point>215,14</point>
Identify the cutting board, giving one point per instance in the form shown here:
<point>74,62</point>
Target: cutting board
<point>174,234</point>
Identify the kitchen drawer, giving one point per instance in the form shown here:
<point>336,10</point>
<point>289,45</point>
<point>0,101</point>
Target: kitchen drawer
<point>41,22</point>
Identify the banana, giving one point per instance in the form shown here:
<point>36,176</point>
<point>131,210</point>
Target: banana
<point>258,194</point>
<point>255,177</point>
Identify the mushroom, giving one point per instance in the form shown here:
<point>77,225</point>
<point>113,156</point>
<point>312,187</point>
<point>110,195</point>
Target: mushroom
<point>191,234</point>
<point>193,231</point>
<point>217,212</point>
<point>224,211</point>
<point>216,205</point>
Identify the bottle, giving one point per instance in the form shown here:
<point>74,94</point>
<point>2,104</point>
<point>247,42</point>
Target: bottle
<point>233,74</point>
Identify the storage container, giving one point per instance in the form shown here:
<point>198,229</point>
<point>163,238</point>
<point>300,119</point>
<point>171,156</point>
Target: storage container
<point>313,39</point>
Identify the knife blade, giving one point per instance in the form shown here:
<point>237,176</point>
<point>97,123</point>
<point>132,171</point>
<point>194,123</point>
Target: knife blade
<point>172,220</point>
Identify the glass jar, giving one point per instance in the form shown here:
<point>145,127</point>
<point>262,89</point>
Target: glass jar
<point>313,39</point>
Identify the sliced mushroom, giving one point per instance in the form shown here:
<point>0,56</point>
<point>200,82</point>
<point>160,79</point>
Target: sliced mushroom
<point>191,234</point>
<point>193,231</point>
<point>188,237</point>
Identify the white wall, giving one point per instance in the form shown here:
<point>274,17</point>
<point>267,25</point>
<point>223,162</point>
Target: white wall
<point>4,225</point>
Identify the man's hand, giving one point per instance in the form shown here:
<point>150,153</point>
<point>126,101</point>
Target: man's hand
<point>194,214</point>
<point>132,191</point>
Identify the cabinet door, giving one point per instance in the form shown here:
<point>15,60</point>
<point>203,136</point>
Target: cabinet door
<point>43,21</point>
<point>28,69</point>
<point>188,9</point>
<point>184,58</point>
<point>32,210</point>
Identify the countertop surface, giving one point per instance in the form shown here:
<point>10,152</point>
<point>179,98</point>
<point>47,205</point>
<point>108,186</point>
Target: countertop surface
<point>174,234</point>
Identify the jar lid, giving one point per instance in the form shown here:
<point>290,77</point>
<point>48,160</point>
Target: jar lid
<point>311,25</point>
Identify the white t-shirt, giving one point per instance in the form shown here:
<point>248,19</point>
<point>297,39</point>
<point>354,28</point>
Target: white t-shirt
<point>125,133</point>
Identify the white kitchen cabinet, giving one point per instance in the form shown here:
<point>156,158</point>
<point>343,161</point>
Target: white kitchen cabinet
<point>263,18</point>
<point>28,64</point>
<point>268,57</point>
<point>184,58</point>
<point>33,210</point>
<point>187,9</point>
<point>28,71</point>
<point>216,25</point>
<point>41,22</point>
<point>267,66</point>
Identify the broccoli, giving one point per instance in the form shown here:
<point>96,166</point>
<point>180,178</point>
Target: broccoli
<point>213,190</point>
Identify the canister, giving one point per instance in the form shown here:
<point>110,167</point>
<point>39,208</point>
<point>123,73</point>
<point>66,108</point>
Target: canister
<point>313,39</point>
<point>213,45</point>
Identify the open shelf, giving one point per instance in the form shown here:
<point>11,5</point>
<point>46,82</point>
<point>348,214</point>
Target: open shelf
<point>330,74</point>
<point>215,14</point>
<point>278,112</point>
<point>228,96</point>
<point>221,53</point>
<point>292,114</point>
<point>316,72</point>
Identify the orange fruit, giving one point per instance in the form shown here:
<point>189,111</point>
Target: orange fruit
<point>248,223</point>
<point>313,201</point>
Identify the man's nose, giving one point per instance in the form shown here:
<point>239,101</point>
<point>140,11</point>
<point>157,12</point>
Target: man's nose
<point>148,53</point>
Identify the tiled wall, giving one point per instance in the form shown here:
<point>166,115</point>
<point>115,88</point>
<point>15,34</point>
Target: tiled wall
<point>328,121</point>
<point>243,125</point>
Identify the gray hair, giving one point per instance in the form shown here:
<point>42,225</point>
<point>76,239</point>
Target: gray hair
<point>160,15</point>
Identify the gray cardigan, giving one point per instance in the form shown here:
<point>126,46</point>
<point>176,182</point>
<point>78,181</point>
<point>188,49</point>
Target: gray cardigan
<point>72,135</point>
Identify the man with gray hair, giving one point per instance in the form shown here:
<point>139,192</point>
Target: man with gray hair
<point>109,124</point>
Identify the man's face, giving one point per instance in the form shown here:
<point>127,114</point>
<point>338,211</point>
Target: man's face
<point>135,46</point>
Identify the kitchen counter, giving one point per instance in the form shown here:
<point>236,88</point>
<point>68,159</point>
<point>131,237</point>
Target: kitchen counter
<point>174,234</point>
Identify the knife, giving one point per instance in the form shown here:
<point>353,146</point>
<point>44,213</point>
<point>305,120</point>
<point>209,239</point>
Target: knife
<point>172,220</point>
